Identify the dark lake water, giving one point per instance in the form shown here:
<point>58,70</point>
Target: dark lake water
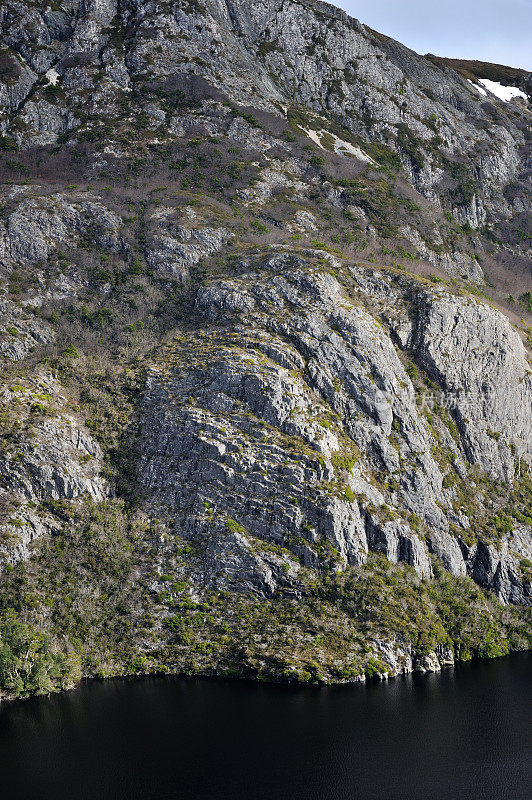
<point>462,734</point>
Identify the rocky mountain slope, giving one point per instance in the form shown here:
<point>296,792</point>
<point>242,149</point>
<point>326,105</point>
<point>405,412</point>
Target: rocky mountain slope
<point>266,308</point>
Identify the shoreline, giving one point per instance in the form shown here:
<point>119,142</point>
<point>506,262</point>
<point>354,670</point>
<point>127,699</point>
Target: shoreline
<point>280,681</point>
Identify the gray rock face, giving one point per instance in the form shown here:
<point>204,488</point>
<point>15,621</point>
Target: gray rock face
<point>39,225</point>
<point>500,569</point>
<point>176,248</point>
<point>20,332</point>
<point>50,469</point>
<point>54,459</point>
<point>399,658</point>
<point>399,544</point>
<point>480,361</point>
<point>458,265</point>
<point>279,423</point>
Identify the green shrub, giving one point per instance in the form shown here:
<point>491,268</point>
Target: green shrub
<point>526,300</point>
<point>259,227</point>
<point>374,667</point>
<point>70,352</point>
<point>27,663</point>
<point>234,526</point>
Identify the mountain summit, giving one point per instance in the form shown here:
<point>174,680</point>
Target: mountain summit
<point>266,309</point>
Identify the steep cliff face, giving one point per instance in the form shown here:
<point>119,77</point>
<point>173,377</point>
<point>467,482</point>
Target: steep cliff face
<point>290,410</point>
<point>265,345</point>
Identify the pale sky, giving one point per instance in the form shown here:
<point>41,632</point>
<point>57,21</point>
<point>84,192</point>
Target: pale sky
<point>499,31</point>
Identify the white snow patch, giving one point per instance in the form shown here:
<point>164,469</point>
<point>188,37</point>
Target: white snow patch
<point>343,148</point>
<point>505,93</point>
<point>314,137</point>
<point>340,146</point>
<point>478,88</point>
<point>53,77</point>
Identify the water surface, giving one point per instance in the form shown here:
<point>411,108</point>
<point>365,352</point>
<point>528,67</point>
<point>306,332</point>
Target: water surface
<point>462,734</point>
